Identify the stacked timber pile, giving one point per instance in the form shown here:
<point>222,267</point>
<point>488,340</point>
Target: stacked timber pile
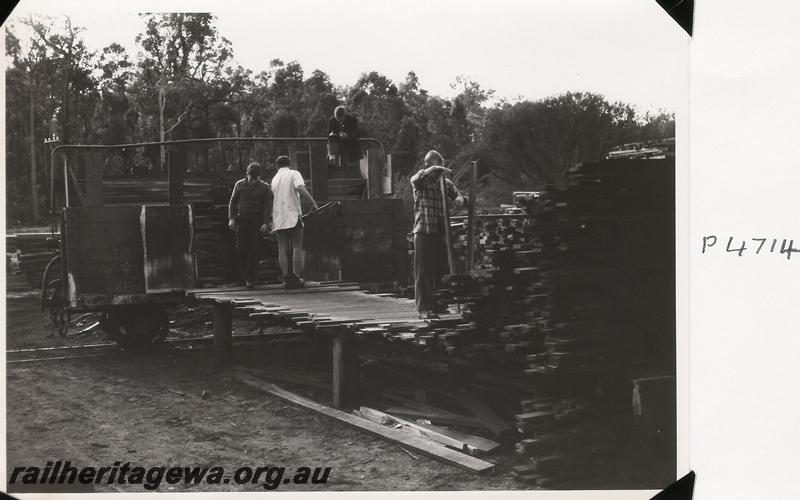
<point>572,288</point>
<point>135,191</point>
<point>216,252</point>
<point>197,190</point>
<point>345,188</point>
<point>571,441</point>
<point>215,244</point>
<point>32,252</point>
<point>657,148</point>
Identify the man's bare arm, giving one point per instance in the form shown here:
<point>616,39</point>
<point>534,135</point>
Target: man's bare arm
<point>268,200</point>
<point>424,173</point>
<point>232,205</point>
<point>306,196</point>
<point>267,213</point>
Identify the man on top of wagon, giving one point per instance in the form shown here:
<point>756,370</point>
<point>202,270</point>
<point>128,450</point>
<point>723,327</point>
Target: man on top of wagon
<point>249,213</point>
<point>287,220</point>
<point>342,137</point>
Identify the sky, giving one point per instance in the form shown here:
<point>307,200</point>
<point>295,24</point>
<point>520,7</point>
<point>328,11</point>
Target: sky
<point>627,50</point>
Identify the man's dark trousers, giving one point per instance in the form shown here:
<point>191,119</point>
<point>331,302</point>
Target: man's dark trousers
<point>429,258</point>
<point>247,238</point>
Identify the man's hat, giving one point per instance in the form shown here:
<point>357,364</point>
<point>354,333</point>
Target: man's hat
<point>254,169</point>
<point>283,161</point>
<point>433,156</point>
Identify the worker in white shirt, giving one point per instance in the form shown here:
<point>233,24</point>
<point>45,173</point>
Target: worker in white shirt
<point>287,188</point>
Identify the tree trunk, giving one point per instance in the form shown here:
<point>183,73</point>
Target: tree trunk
<point>161,104</point>
<point>34,191</point>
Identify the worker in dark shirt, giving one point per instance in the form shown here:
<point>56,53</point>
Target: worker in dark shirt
<point>343,132</point>
<point>249,213</point>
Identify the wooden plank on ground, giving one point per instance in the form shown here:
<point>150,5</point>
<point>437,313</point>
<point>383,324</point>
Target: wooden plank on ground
<point>474,442</point>
<point>420,445</point>
<point>309,380</point>
<point>400,424</point>
<point>437,416</point>
<point>454,439</point>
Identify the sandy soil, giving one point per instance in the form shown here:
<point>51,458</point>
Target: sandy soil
<point>150,410</point>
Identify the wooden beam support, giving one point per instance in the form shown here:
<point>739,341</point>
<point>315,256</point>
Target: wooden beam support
<point>345,371</point>
<point>223,334</point>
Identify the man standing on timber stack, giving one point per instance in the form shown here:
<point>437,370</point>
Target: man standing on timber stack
<point>429,230</point>
<point>288,186</point>
<point>248,216</point>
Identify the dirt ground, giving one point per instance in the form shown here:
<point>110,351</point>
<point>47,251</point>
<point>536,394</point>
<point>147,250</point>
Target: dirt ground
<point>170,408</point>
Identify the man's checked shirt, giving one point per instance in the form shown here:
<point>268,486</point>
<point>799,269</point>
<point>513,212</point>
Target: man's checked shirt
<point>428,209</point>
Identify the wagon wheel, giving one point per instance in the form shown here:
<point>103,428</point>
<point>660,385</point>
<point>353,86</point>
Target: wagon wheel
<point>53,297</point>
<point>136,326</point>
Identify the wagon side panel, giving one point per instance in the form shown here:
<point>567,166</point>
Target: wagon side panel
<point>104,252</point>
<point>169,258</point>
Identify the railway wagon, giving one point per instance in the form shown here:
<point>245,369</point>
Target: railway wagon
<point>132,239</point>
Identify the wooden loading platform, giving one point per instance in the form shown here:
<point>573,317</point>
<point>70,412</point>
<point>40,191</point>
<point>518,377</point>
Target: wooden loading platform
<point>340,310</point>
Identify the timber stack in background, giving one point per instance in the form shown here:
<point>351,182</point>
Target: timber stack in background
<point>216,248</point>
